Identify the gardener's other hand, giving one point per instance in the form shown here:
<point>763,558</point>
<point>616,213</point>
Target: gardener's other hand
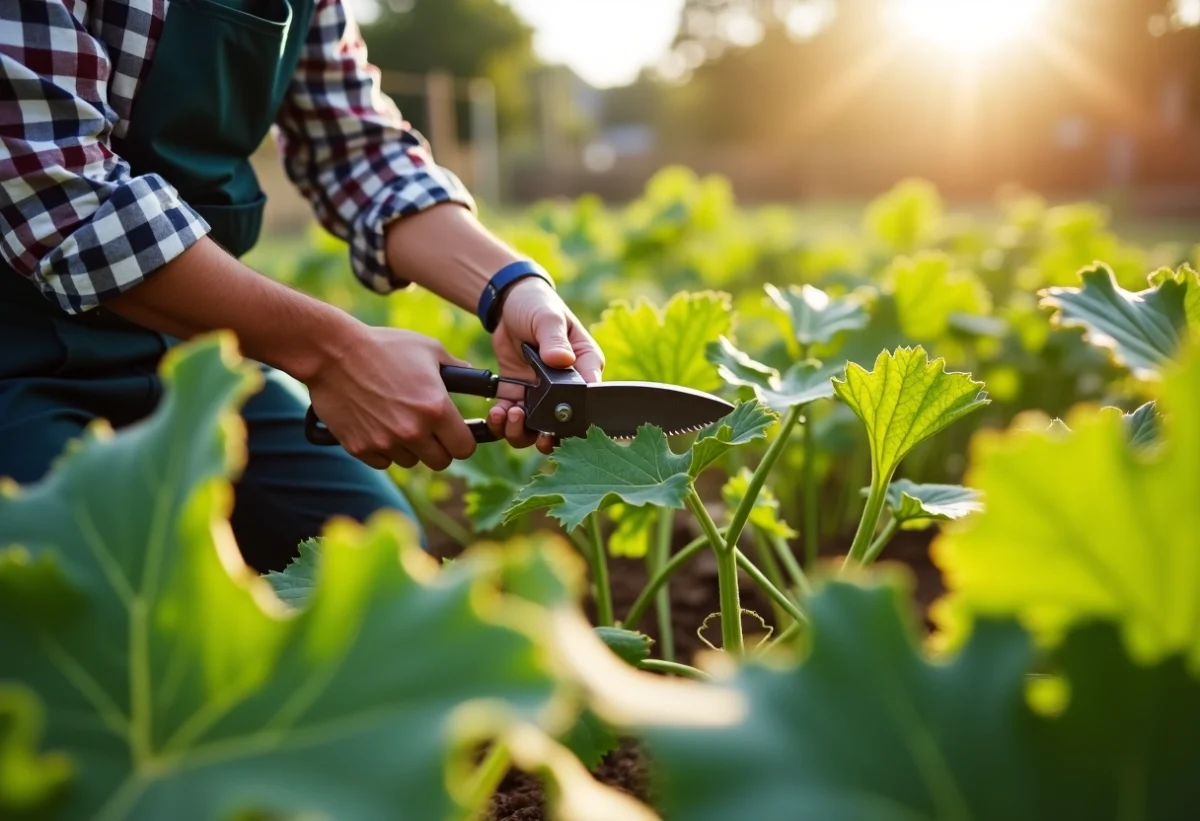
<point>384,399</point>
<point>533,312</point>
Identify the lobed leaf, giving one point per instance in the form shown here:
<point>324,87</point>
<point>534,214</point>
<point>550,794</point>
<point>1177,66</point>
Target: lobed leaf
<point>641,342</point>
<point>1143,330</point>
<point>494,477</point>
<point>1186,277</point>
<point>749,421</point>
<point>803,383</point>
<point>737,367</point>
<point>905,400</point>
<point>1142,425</point>
<point>181,687</point>
<point>294,585</point>
<point>930,294</point>
<point>917,507</point>
<point>816,318</point>
<point>866,729</point>
<point>1086,526</point>
<point>631,646</point>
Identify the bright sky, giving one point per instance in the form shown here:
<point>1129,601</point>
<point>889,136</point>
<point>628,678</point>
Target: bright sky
<point>607,42</point>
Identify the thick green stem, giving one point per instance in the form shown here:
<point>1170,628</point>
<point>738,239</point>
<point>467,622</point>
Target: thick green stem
<point>486,779</point>
<point>657,558</point>
<point>674,668</point>
<point>727,580</point>
<point>742,513</point>
<point>877,546</point>
<point>870,518</point>
<point>604,606</point>
<point>776,595</point>
<point>642,604</point>
<point>770,569</point>
<point>812,502</point>
<point>784,551</point>
<point>430,514</point>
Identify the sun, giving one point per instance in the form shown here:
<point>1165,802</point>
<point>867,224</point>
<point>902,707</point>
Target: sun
<point>968,25</point>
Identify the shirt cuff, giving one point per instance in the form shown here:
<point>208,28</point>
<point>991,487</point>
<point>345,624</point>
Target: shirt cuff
<point>140,227</point>
<point>431,185</point>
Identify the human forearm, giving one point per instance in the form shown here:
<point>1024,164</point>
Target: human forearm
<point>206,289</point>
<point>448,251</point>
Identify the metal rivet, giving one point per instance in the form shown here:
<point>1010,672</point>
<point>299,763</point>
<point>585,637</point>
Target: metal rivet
<point>563,412</point>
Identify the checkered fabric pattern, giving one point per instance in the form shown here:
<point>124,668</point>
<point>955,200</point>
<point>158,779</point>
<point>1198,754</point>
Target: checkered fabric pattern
<point>76,222</point>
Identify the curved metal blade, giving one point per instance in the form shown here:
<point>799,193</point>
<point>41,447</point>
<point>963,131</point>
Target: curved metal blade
<point>620,408</point>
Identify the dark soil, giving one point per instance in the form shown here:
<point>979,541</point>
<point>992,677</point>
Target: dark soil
<point>693,598</point>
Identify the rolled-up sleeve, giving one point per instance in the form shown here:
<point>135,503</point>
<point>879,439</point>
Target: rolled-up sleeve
<point>348,150</point>
<point>73,219</point>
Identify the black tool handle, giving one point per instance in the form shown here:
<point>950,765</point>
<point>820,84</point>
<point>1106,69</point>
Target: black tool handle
<point>466,381</point>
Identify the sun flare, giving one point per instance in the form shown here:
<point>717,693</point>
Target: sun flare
<point>968,25</point>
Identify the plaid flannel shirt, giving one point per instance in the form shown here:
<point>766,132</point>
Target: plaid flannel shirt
<point>75,221</point>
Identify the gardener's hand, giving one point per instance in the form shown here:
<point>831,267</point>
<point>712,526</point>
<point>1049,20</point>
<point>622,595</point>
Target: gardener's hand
<point>533,312</point>
<point>384,400</point>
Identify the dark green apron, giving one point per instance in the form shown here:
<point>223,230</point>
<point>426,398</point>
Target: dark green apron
<point>219,74</point>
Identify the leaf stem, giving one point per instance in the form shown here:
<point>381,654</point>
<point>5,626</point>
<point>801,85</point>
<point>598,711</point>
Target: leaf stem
<point>487,777</point>
<point>877,546</point>
<point>870,518</point>
<point>770,568</point>
<point>657,557</point>
<point>784,551</point>
<point>604,606</point>
<point>812,530</point>
<point>742,513</point>
<point>638,610</point>
<point>727,580</point>
<point>431,514</point>
<point>776,595</point>
<point>674,668</point>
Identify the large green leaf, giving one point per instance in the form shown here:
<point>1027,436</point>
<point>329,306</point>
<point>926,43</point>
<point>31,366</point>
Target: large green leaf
<point>1142,330</point>
<point>803,383</point>
<point>595,472</point>
<point>1086,526</point>
<point>816,318</point>
<point>866,729</point>
<point>1186,277</point>
<point>905,400</point>
<point>641,342</point>
<point>29,779</point>
<point>930,292</point>
<point>917,507</point>
<point>182,688</point>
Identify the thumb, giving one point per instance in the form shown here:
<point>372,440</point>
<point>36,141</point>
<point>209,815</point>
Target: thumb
<point>550,333</point>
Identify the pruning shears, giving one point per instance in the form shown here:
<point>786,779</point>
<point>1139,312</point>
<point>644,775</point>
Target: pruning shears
<point>561,404</point>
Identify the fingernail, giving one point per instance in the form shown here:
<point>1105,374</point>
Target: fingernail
<point>496,415</point>
<point>514,414</point>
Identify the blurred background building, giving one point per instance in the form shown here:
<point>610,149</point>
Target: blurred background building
<point>797,99</point>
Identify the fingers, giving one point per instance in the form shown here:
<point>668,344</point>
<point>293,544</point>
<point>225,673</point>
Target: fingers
<point>546,443</point>
<point>589,360</point>
<point>550,332</point>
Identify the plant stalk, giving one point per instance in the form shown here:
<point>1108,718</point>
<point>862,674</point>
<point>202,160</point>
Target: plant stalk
<point>599,562</point>
<point>742,513</point>
<point>657,558</point>
<point>870,518</point>
<point>727,580</point>
<point>486,779</point>
<point>812,529</point>
<point>777,596</point>
<point>784,551</point>
<point>770,569</point>
<point>674,668</point>
<point>877,546</point>
<point>638,610</point>
<point>431,514</point>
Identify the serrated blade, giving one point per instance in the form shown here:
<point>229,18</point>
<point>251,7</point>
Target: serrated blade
<point>620,408</point>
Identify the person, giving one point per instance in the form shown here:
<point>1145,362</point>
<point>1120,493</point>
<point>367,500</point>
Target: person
<point>127,196</point>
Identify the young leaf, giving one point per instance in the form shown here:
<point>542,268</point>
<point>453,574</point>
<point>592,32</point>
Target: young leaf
<point>641,342</point>
<point>28,779</point>
<point>294,585</point>
<point>866,729</point>
<point>182,688</point>
<point>929,292</point>
<point>816,318</point>
<point>917,507</point>
<point>905,400</point>
<point>804,382</point>
<point>1142,330</point>
<point>1081,527</point>
<point>765,513</point>
<point>494,477</point>
<point>596,471</point>
<point>749,421</point>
